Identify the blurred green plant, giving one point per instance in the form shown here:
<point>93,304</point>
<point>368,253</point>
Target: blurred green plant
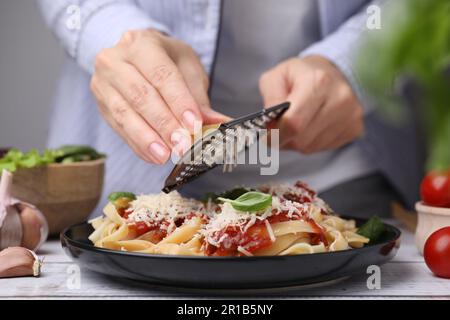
<point>414,42</point>
<point>15,159</point>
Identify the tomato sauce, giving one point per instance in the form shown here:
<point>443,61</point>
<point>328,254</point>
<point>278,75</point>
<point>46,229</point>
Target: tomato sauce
<point>254,238</point>
<point>304,187</point>
<point>297,198</point>
<point>160,227</point>
<point>140,228</point>
<point>257,236</point>
<point>319,235</point>
<point>123,212</point>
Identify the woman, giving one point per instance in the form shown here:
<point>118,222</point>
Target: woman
<point>149,66</point>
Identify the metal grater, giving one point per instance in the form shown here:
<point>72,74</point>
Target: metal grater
<point>202,156</point>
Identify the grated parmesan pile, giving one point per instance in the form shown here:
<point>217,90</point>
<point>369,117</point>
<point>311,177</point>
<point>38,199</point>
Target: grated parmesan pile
<point>281,189</point>
<point>154,209</point>
<point>228,216</point>
<point>162,207</point>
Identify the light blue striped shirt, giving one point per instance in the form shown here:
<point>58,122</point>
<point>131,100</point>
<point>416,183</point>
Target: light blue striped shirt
<point>75,118</point>
<point>255,36</point>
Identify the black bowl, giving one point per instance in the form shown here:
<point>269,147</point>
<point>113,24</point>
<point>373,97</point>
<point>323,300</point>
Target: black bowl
<point>228,272</point>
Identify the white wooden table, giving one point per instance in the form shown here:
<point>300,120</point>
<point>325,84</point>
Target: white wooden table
<point>406,276</point>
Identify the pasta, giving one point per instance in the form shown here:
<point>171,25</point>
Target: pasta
<point>296,221</point>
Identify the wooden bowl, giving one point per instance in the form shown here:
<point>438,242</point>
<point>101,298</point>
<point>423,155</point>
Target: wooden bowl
<point>65,193</point>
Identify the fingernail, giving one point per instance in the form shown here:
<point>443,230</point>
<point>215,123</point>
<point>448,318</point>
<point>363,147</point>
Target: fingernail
<point>159,152</point>
<point>191,120</point>
<point>181,142</point>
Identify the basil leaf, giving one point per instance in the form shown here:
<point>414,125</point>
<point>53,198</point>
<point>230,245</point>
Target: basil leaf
<point>250,202</point>
<point>121,199</point>
<point>118,195</point>
<point>232,194</point>
<point>372,229</point>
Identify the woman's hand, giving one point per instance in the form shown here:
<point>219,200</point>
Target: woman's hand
<point>325,114</point>
<point>152,90</point>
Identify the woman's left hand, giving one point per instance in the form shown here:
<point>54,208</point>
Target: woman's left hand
<point>325,113</point>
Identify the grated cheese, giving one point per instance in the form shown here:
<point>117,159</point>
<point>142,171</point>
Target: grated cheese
<point>171,227</point>
<point>152,209</point>
<point>279,190</point>
<point>227,217</point>
<point>209,205</point>
<point>162,207</point>
<point>230,217</point>
<point>270,231</point>
<point>245,252</point>
<point>250,223</point>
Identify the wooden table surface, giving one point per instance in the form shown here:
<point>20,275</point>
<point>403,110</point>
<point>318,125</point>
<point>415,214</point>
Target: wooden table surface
<point>406,276</point>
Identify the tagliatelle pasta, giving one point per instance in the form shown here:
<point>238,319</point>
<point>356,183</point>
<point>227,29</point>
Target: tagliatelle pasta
<point>280,244</point>
<point>185,233</point>
<point>296,222</point>
<point>303,248</point>
<point>293,227</point>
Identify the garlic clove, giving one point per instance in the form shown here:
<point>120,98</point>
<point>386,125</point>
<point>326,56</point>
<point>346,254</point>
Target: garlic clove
<point>34,225</point>
<point>19,262</point>
<point>11,231</point>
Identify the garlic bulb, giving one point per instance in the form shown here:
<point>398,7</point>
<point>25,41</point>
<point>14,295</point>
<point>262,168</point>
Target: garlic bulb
<point>21,224</point>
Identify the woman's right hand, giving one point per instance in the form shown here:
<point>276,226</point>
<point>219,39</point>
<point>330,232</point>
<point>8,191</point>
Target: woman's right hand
<point>152,90</point>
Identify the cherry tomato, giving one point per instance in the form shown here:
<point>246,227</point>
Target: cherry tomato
<point>435,189</point>
<point>437,252</point>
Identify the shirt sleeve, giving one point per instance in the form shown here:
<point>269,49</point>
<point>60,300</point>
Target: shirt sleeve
<point>85,27</point>
<point>341,47</point>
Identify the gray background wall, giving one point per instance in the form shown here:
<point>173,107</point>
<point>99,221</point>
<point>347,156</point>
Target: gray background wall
<point>30,60</point>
